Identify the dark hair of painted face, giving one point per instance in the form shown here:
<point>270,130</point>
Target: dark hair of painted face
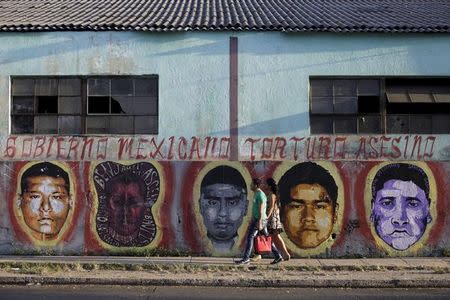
<point>126,179</point>
<point>307,173</point>
<point>272,185</point>
<point>44,169</point>
<point>224,175</point>
<point>403,172</point>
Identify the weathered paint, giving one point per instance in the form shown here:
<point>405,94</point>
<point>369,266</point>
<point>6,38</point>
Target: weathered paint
<point>193,69</point>
<point>178,222</point>
<point>194,137</point>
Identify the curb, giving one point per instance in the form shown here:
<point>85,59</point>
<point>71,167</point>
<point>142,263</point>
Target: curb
<point>304,283</point>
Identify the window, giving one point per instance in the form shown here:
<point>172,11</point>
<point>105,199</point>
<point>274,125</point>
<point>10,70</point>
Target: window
<point>85,105</point>
<point>379,105</point>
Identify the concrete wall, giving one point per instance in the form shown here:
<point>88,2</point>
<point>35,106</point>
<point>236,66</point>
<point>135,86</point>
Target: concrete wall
<point>171,174</point>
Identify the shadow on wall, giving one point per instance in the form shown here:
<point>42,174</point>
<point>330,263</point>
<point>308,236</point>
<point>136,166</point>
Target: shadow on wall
<point>289,124</point>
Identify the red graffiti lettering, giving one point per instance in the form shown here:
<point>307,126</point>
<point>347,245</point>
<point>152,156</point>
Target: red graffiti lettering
<point>280,144</point>
<point>182,143</point>
<point>157,149</point>
<point>10,150</point>
<point>429,153</point>
<point>296,141</point>
<point>139,155</point>
<point>266,153</point>
<point>324,147</point>
<point>341,153</point>
<point>226,141</point>
<point>27,142</point>
<point>194,148</point>
<point>252,143</point>
<point>102,142</point>
<point>171,155</point>
<point>125,145</point>
<point>39,146</point>
<point>87,143</point>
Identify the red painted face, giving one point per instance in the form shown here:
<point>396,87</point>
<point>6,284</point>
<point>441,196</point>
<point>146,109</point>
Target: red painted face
<point>126,208</point>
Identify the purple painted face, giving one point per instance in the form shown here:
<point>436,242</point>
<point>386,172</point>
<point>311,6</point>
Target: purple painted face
<point>400,213</point>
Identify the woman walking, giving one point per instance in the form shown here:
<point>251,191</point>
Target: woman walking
<point>274,224</point>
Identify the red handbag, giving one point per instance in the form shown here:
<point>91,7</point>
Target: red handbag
<point>263,244</point>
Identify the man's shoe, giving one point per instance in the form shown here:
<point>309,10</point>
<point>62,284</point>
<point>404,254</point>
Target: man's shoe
<point>242,262</point>
<point>257,257</point>
<point>277,260</point>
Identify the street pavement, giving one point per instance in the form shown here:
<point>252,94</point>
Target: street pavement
<point>211,271</point>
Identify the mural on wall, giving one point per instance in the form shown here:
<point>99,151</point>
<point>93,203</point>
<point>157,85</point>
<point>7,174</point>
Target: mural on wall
<point>402,199</point>
<point>311,196</point>
<point>328,209</point>
<point>220,196</point>
<point>125,195</point>
<point>44,202</point>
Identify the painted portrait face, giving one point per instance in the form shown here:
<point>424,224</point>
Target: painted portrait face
<point>223,207</point>
<point>400,212</point>
<point>45,205</point>
<point>309,216</point>
<point>126,207</point>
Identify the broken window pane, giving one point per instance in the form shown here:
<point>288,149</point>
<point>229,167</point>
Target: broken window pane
<point>23,105</point>
<point>322,105</point>
<point>397,124</point>
<point>345,105</point>
<point>97,125</point>
<point>47,104</point>
<point>98,105</point>
<point>121,125</point>
<point>69,125</point>
<point>369,124</point>
<point>146,125</point>
<point>122,86</point>
<point>145,106</point>
<point>99,87</point>
<point>344,88</point>
<point>22,124</point>
<point>121,105</point>
<point>69,105</point>
<point>46,87</point>
<point>47,124</point>
<point>22,87</point>
<point>70,87</point>
<point>146,87</point>
<point>321,124</point>
<point>368,104</point>
<point>345,125</point>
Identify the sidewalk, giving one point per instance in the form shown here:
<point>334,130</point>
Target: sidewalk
<point>209,271</point>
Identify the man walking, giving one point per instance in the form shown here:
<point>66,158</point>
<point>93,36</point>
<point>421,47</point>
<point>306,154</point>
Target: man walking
<point>257,223</point>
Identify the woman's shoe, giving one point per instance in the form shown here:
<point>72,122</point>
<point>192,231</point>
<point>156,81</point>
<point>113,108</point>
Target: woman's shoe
<point>257,257</point>
<point>277,260</point>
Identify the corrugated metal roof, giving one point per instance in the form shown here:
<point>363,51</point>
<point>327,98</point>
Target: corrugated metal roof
<point>233,15</point>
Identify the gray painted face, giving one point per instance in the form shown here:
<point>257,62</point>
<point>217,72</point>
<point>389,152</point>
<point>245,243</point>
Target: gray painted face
<point>223,207</point>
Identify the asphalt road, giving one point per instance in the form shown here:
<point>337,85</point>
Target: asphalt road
<point>35,292</point>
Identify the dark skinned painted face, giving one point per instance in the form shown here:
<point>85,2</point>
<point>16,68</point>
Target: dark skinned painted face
<point>309,216</point>
<point>126,207</point>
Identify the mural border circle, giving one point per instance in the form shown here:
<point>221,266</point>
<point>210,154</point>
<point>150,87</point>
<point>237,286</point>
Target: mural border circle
<point>67,224</point>
<point>156,207</point>
<point>368,208</point>
<point>198,216</point>
<point>334,172</point>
